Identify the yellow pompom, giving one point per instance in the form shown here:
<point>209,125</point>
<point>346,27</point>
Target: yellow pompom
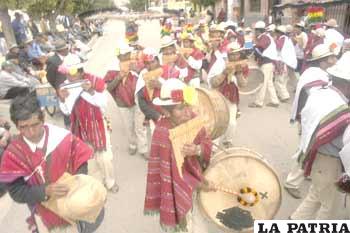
<point>190,95</point>
<point>73,71</point>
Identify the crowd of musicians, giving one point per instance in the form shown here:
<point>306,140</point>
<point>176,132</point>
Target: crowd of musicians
<point>155,90</point>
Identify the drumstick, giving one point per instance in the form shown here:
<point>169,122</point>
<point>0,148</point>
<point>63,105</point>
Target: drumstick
<point>221,148</point>
<point>246,196</point>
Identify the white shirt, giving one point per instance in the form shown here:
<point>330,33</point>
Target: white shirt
<point>34,146</point>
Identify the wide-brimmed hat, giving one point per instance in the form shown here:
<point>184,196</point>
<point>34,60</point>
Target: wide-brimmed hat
<point>124,48</point>
<point>341,68</point>
<point>331,23</point>
<point>248,29</point>
<point>320,51</point>
<point>230,23</point>
<point>320,32</point>
<point>281,28</point>
<point>170,93</point>
<point>289,28</point>
<point>166,41</point>
<point>271,28</point>
<point>300,24</point>
<point>217,28</point>
<point>61,45</point>
<point>234,47</point>
<point>259,25</point>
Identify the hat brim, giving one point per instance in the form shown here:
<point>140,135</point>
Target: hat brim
<point>335,72</point>
<point>159,102</point>
<point>62,48</point>
<point>332,26</point>
<point>168,44</point>
<point>323,56</point>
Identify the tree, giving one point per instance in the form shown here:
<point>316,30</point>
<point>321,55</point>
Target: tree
<point>137,5</point>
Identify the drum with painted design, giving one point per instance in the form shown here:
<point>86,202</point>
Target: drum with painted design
<point>234,169</point>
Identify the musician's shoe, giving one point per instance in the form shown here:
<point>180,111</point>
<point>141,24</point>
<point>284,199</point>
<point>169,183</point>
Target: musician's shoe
<point>254,105</point>
<point>238,115</point>
<point>285,100</point>
<point>294,192</point>
<point>227,144</point>
<point>145,156</point>
<point>132,150</point>
<point>114,189</point>
<point>272,105</point>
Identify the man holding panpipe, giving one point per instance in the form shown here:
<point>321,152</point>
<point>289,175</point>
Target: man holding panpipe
<point>225,78</point>
<point>121,84</point>
<point>194,59</point>
<point>173,65</point>
<point>35,159</point>
<point>87,117</point>
<point>168,192</point>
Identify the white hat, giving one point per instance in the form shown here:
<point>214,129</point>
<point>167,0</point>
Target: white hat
<point>259,25</point>
<point>281,28</point>
<point>300,24</point>
<point>289,28</point>
<point>271,28</point>
<point>217,27</point>
<point>234,47</point>
<point>124,48</point>
<point>166,41</point>
<point>73,61</point>
<point>320,32</point>
<point>341,68</point>
<point>332,23</point>
<point>320,51</point>
<point>166,92</point>
<point>239,29</point>
<point>231,23</point>
<point>202,22</point>
<point>149,54</point>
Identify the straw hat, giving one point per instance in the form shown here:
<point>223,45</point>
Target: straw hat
<point>84,201</point>
<point>239,29</point>
<point>281,28</point>
<point>167,91</point>
<point>331,23</point>
<point>248,29</point>
<point>166,41</point>
<point>320,51</point>
<point>234,47</point>
<point>259,25</point>
<point>341,68</point>
<point>124,48</point>
<point>231,23</point>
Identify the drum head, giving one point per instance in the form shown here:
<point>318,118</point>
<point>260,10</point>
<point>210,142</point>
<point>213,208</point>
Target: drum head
<point>235,172</point>
<point>205,109</point>
<point>255,81</point>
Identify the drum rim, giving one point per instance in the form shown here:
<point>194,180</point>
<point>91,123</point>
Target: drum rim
<point>226,229</point>
<point>214,134</point>
<point>254,90</point>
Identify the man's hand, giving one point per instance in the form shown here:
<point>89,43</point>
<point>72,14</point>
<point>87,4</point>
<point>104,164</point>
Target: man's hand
<point>63,94</point>
<point>86,86</point>
<point>56,190</point>
<point>155,83</point>
<point>191,150</point>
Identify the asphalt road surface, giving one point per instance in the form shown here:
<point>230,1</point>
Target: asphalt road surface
<point>265,130</point>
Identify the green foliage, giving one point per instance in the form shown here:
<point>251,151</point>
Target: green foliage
<point>207,3</point>
<point>137,5</point>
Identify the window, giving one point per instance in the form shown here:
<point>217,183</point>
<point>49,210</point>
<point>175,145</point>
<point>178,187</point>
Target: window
<point>255,5</point>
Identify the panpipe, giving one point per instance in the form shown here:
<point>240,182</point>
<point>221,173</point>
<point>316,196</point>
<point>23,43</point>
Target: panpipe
<point>184,134</point>
<point>151,75</point>
<point>236,66</point>
<point>169,59</point>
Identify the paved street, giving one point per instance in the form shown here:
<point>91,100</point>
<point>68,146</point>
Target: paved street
<point>266,131</point>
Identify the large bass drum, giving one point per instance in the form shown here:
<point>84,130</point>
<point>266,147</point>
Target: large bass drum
<point>213,107</point>
<point>234,169</point>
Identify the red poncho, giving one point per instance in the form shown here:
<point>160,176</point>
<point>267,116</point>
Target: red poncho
<point>167,193</point>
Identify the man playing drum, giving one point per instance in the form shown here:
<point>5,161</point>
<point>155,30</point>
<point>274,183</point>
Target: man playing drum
<point>168,192</point>
<point>36,159</point>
